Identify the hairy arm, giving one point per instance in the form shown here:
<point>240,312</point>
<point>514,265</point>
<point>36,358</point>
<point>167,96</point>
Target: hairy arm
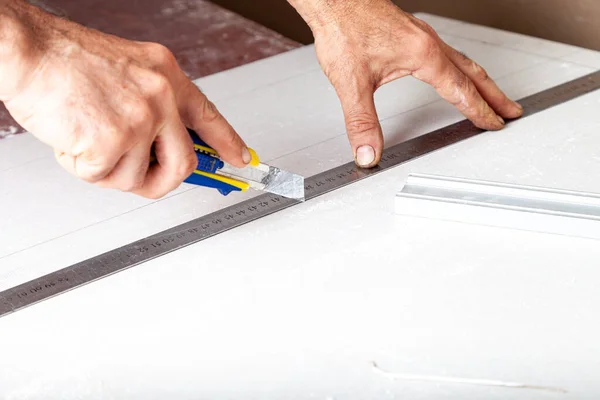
<point>20,53</point>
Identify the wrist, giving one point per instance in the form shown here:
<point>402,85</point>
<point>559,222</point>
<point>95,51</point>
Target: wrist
<point>21,47</point>
<point>320,14</point>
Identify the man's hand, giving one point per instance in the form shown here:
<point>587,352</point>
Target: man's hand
<point>363,45</point>
<point>104,103</point>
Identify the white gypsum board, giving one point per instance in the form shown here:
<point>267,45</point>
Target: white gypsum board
<point>299,304</point>
<point>374,290</point>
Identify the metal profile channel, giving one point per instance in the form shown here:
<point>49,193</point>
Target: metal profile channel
<point>529,208</point>
<point>136,253</point>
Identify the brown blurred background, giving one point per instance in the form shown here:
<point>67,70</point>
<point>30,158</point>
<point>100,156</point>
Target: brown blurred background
<point>570,21</point>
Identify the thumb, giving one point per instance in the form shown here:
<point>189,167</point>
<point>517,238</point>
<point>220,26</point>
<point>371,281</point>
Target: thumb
<point>362,124</point>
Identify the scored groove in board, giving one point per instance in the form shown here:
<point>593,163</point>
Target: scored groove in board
<point>191,232</point>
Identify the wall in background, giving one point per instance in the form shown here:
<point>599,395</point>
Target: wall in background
<point>570,21</point>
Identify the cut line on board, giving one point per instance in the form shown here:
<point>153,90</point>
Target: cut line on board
<point>464,381</point>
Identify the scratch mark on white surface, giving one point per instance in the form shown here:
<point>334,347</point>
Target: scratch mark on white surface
<point>466,381</point>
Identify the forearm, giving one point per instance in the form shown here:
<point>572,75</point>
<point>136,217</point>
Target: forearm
<point>318,13</point>
<point>20,48</point>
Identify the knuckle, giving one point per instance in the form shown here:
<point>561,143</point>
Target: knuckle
<point>464,57</point>
<point>132,184</point>
<point>209,112</point>
<point>463,84</point>
<point>479,73</point>
<point>426,47</point>
<point>186,167</point>
<point>89,178</point>
<point>161,55</point>
<point>92,165</point>
<point>230,139</point>
<point>92,173</point>
<point>158,85</point>
<point>360,123</point>
<point>424,26</point>
<point>115,142</point>
<point>154,194</point>
<point>464,102</point>
<point>140,115</point>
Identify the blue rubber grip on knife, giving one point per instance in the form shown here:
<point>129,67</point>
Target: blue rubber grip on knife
<point>208,163</point>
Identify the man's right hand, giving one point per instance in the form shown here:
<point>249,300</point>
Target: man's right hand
<point>104,103</point>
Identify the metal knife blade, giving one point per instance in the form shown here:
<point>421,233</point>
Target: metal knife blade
<point>269,179</point>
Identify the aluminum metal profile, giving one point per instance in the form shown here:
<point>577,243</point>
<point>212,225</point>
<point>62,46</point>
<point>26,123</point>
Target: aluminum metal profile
<point>530,208</point>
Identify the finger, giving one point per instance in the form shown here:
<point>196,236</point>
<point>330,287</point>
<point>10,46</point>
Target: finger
<point>200,114</point>
<point>175,161</point>
<point>66,161</point>
<point>484,84</point>
<point>487,88</point>
<point>93,160</point>
<point>130,172</point>
<point>88,168</point>
<point>458,89</point>
<point>83,167</point>
<point>362,123</point>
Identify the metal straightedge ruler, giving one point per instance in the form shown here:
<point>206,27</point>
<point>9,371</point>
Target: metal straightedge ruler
<point>191,232</point>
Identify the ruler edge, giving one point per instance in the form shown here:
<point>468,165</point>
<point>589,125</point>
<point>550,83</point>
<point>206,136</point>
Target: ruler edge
<point>564,96</point>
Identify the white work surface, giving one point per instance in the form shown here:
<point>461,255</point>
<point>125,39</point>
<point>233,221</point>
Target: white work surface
<point>299,304</point>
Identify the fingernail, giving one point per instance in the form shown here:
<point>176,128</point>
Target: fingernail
<point>500,120</point>
<point>246,157</point>
<point>520,107</point>
<point>365,155</point>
